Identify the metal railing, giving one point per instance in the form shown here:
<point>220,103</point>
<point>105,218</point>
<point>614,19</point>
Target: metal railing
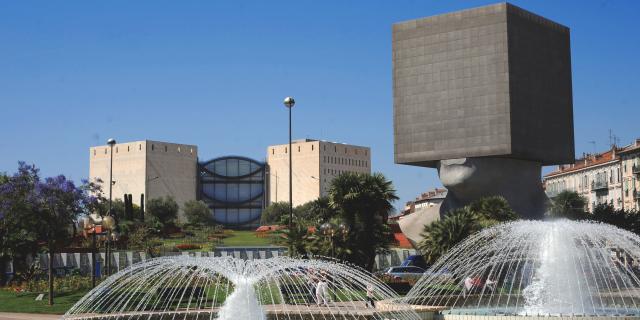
<point>599,185</point>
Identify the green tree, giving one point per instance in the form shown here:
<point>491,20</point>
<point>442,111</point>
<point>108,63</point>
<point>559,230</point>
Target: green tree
<point>161,213</point>
<point>274,212</point>
<point>316,211</point>
<point>197,213</point>
<point>442,235</point>
<point>492,210</point>
<point>568,204</point>
<point>364,203</point>
<point>297,238</point>
<point>141,238</point>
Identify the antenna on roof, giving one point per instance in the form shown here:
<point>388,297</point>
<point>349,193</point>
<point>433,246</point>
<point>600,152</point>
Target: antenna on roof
<point>594,146</point>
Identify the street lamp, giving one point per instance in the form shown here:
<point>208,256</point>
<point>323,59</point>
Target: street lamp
<point>111,142</point>
<point>330,230</point>
<point>289,102</point>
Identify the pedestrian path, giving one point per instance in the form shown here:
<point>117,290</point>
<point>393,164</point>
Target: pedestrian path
<point>27,316</point>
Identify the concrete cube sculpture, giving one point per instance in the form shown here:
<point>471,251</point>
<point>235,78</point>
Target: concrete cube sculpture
<point>492,81</point>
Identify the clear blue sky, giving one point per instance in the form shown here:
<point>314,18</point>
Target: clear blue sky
<point>214,73</point>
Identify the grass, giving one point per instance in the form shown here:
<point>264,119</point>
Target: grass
<point>231,238</point>
<point>247,239</point>
<point>25,302</point>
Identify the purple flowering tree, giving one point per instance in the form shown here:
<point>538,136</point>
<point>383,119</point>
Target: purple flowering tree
<point>19,226</point>
<point>35,211</point>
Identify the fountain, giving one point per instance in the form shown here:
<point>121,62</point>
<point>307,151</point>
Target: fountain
<point>536,268</point>
<point>225,288</point>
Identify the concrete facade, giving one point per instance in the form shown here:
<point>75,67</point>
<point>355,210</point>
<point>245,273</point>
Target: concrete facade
<point>150,168</point>
<point>490,81</point>
<point>315,164</point>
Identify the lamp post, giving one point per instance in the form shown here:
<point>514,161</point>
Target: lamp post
<point>111,142</point>
<point>330,230</point>
<point>289,103</point>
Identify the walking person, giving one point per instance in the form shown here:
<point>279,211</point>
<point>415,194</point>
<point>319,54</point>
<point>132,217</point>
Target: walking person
<point>322,293</point>
<point>371,303</point>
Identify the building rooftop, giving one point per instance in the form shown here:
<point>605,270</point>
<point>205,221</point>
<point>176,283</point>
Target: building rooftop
<point>591,160</point>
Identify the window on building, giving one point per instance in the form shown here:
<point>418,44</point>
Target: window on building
<point>285,150</point>
<point>298,148</point>
<point>94,152</point>
<point>273,151</point>
<point>128,148</point>
<point>105,151</point>
<point>153,147</point>
<point>345,150</point>
<point>139,147</point>
<point>311,147</point>
<point>191,150</point>
<point>335,149</point>
<point>178,149</point>
<point>166,149</point>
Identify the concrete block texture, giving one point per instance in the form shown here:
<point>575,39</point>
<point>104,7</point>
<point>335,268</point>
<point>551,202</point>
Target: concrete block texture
<point>490,81</point>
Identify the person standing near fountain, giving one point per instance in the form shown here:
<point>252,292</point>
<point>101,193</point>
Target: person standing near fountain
<point>371,303</point>
<point>322,293</point>
<point>484,96</point>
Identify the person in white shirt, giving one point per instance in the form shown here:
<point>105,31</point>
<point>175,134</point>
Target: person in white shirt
<point>322,293</point>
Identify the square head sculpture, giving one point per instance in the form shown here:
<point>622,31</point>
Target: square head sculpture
<point>493,81</point>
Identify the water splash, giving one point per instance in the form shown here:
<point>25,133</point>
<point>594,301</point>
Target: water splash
<point>242,304</point>
<point>226,288</point>
<point>537,267</point>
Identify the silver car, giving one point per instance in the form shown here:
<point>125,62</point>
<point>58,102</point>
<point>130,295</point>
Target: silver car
<point>405,272</point>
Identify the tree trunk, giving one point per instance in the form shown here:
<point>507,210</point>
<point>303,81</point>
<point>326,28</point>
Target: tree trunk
<point>3,271</point>
<point>51,255</point>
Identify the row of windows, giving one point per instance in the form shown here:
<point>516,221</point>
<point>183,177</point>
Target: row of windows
<point>346,161</point>
<point>166,149</point>
<point>335,149</point>
<point>335,171</point>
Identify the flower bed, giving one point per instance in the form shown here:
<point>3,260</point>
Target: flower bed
<point>187,246</point>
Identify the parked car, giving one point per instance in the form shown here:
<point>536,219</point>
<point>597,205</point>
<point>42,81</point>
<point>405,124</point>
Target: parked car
<point>416,261</point>
<point>401,272</point>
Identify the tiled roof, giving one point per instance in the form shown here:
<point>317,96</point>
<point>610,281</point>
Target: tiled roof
<point>586,162</point>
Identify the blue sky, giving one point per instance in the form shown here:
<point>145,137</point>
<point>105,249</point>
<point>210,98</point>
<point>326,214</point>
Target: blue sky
<point>214,73</point>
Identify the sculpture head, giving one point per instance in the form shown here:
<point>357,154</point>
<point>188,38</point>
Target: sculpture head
<point>469,179</point>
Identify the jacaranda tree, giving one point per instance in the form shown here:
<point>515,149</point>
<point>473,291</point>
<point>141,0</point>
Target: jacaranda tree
<point>35,212</point>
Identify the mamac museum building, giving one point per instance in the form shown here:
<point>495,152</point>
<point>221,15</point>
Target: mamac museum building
<point>234,189</point>
<point>485,96</point>
<point>315,164</point>
<point>147,169</point>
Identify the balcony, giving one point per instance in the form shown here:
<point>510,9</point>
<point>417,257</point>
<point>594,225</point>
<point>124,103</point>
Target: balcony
<point>599,185</point>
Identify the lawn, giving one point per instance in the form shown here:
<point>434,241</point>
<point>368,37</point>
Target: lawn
<point>230,238</point>
<point>247,239</point>
<point>25,302</point>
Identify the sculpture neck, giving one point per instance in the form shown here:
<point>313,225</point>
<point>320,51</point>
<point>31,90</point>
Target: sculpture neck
<point>516,180</point>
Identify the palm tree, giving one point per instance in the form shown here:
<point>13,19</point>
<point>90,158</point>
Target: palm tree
<point>492,210</point>
<point>442,235</point>
<point>364,203</point>
<point>568,204</point>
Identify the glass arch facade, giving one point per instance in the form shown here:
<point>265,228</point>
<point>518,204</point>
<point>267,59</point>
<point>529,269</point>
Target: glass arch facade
<point>234,189</point>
